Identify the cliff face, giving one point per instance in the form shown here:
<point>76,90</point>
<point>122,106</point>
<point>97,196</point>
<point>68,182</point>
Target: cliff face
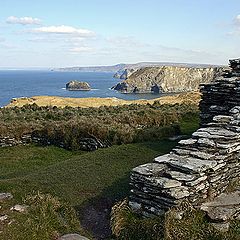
<point>167,79</point>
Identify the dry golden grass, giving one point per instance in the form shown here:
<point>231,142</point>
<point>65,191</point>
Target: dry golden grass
<point>191,97</point>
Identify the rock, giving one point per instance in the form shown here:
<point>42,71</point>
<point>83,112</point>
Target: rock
<point>3,218</point>
<point>178,215</point>
<point>73,236</point>
<point>77,86</point>
<point>221,227</point>
<point>149,169</point>
<point>5,196</point>
<point>121,87</point>
<point>224,207</point>
<point>127,73</point>
<point>19,208</point>
<point>162,79</point>
<point>163,182</point>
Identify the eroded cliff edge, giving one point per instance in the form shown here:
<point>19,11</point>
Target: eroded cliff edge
<point>165,79</point>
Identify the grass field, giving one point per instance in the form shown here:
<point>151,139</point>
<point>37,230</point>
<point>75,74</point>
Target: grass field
<point>84,180</point>
<point>74,176</point>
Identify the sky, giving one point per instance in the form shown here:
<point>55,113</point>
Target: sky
<point>62,33</point>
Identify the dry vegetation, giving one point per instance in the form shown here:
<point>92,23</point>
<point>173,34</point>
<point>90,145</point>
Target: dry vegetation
<point>193,97</point>
<point>109,124</point>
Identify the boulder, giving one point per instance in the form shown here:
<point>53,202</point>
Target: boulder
<point>78,86</point>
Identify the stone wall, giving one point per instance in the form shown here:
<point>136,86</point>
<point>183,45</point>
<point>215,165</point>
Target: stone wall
<point>200,168</point>
<point>85,144</point>
<point>219,97</point>
<point>11,141</point>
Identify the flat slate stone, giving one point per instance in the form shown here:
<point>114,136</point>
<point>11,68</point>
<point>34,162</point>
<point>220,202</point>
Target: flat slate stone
<point>221,227</point>
<point>189,141</point>
<point>206,142</point>
<point>149,169</point>
<point>182,176</point>
<point>162,159</point>
<point>223,118</point>
<point>177,193</point>
<point>224,207</point>
<point>163,182</point>
<point>215,133</point>
<point>191,164</point>
<point>73,236</point>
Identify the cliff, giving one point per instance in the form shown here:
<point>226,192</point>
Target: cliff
<point>167,79</point>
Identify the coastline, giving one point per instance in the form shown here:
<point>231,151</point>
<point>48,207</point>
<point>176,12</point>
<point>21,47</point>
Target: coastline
<point>189,97</point>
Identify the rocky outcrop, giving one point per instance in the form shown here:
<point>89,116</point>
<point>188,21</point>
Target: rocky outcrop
<point>198,169</point>
<point>77,86</point>
<point>165,79</point>
<point>124,74</point>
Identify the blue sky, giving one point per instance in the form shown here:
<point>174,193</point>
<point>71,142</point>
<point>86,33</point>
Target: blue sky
<point>102,32</point>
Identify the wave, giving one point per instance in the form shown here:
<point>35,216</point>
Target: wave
<point>93,89</point>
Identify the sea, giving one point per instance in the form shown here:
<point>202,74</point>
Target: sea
<point>28,83</point>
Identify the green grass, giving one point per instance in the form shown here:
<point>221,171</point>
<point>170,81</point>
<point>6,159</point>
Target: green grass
<point>74,176</point>
<point>77,178</point>
<point>189,124</point>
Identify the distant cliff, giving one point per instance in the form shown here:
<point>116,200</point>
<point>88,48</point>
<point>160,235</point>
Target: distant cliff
<point>122,70</point>
<point>167,79</point>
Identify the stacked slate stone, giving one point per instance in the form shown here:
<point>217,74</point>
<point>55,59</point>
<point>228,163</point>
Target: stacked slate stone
<point>221,95</point>
<point>11,141</point>
<point>199,168</point>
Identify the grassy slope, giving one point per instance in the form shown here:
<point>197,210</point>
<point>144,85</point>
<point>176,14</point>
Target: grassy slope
<point>74,177</point>
<point>78,176</point>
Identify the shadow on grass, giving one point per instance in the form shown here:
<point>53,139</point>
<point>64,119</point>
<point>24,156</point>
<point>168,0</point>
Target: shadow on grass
<point>95,213</point>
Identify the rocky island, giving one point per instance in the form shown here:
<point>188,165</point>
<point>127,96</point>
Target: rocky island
<point>75,85</point>
<point>166,79</point>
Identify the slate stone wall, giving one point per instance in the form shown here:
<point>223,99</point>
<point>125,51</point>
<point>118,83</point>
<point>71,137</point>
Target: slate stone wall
<point>200,168</point>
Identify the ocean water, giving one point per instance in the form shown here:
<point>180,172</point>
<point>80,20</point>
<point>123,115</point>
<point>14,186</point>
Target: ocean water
<point>21,83</point>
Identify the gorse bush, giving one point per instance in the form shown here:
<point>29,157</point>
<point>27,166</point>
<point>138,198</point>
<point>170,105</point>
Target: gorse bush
<point>115,124</point>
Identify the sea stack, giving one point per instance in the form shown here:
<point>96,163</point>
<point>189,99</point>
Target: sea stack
<point>75,85</point>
